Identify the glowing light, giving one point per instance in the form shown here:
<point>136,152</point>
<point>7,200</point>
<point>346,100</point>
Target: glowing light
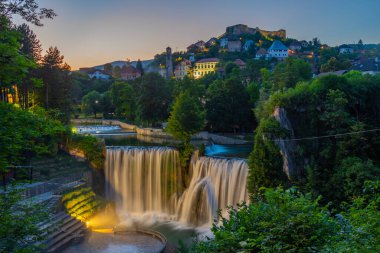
<point>103,230</point>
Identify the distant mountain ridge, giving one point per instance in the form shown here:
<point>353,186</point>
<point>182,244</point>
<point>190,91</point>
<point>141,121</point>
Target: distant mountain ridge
<point>144,63</point>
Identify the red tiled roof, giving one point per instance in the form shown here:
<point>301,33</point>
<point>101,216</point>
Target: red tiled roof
<point>261,51</point>
<point>129,70</point>
<point>239,62</point>
<point>208,60</point>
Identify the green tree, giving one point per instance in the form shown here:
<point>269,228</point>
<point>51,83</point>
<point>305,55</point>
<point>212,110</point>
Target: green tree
<point>288,73</point>
<point>333,64</point>
<point>265,162</point>
<point>351,174</point>
<point>154,99</point>
<point>13,65</point>
<point>91,103</point>
<point>278,221</point>
<point>186,118</point>
<point>19,231</point>
<point>227,106</point>
<point>29,10</point>
<point>55,74</point>
<point>123,99</point>
<point>140,67</point>
<point>31,134</point>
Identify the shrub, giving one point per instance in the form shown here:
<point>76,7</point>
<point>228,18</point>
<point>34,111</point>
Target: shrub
<point>92,148</point>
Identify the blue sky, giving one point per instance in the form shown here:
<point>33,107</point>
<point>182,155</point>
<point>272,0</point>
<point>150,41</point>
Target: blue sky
<point>92,32</point>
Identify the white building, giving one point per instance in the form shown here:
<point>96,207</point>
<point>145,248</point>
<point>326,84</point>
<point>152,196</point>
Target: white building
<point>182,69</point>
<point>278,50</point>
<point>98,74</point>
<point>344,49</point>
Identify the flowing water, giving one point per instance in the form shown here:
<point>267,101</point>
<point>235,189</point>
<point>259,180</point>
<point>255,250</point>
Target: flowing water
<point>149,180</point>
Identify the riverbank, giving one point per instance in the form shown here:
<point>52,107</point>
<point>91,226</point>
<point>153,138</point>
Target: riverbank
<point>160,133</point>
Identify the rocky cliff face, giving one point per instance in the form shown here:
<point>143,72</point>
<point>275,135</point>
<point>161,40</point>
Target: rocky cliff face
<point>287,146</point>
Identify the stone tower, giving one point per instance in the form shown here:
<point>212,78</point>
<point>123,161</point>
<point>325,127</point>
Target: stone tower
<point>169,63</point>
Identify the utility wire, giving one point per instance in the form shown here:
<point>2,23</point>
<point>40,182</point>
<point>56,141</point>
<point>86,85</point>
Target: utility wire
<point>328,136</point>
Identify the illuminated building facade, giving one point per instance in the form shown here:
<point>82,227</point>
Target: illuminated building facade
<point>205,66</point>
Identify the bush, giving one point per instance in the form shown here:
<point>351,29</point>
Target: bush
<point>92,148</point>
<point>26,134</point>
<point>286,221</point>
<point>278,221</point>
<point>265,162</point>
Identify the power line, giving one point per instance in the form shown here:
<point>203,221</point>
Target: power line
<point>328,136</point>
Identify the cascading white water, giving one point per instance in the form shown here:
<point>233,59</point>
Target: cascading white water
<point>148,179</point>
<point>145,179</point>
<point>215,184</point>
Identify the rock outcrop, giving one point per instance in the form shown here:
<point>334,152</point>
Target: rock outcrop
<point>287,146</point>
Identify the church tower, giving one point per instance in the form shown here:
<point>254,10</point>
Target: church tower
<point>169,63</point>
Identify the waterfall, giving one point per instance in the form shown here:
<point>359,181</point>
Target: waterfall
<point>145,179</point>
<point>215,184</point>
<point>149,180</point>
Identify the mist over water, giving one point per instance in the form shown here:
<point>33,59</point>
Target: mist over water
<point>148,182</point>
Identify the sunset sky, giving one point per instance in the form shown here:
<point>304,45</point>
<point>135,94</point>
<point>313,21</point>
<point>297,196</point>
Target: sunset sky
<point>92,32</point>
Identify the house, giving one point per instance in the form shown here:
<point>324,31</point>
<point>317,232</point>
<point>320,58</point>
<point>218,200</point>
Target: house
<point>335,73</point>
<point>278,50</point>
<point>211,42</point>
<point>199,46</point>
<point>240,63</point>
<point>162,70</point>
<point>205,66</point>
<point>234,46</point>
<point>262,53</point>
<point>98,74</point>
<point>248,44</point>
<point>295,46</point>
<point>128,72</point>
<point>345,49</point>
<point>182,69</point>
<point>223,42</point>
<point>365,65</point>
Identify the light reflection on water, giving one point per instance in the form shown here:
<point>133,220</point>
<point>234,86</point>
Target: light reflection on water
<point>241,151</point>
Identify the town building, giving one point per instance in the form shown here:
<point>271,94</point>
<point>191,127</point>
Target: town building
<point>98,74</point>
<point>129,73</point>
<point>211,42</point>
<point>234,46</point>
<point>182,69</point>
<point>261,53</point>
<point>278,50</point>
<point>241,29</point>
<point>199,46</point>
<point>169,63</point>
<point>295,46</point>
<point>240,63</point>
<point>344,49</point>
<point>205,66</point>
<point>162,71</point>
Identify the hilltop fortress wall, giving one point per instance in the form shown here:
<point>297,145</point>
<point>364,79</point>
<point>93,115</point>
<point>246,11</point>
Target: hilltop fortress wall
<point>244,29</point>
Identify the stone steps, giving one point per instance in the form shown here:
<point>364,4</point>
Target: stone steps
<point>61,231</point>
